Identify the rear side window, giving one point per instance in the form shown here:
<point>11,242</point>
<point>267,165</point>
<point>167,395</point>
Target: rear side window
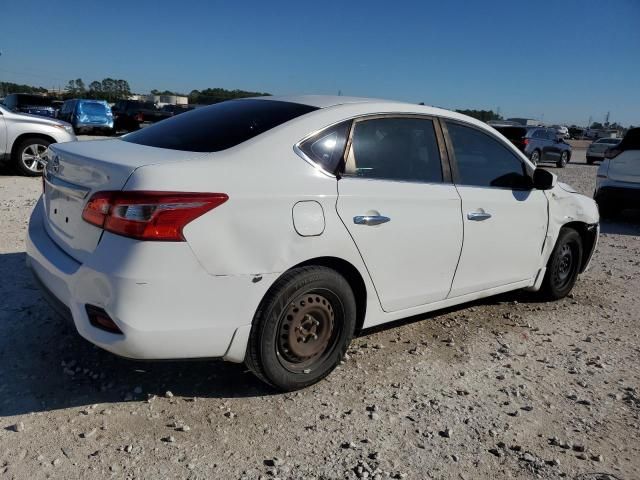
<point>327,147</point>
<point>403,149</point>
<point>218,127</point>
<point>484,161</point>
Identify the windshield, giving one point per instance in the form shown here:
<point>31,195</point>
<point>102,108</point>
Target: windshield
<point>93,108</point>
<point>218,127</point>
<point>611,141</point>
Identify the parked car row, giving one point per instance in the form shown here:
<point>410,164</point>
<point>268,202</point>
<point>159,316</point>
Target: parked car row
<point>94,116</point>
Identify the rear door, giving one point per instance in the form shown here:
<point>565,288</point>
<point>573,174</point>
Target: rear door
<point>402,211</point>
<point>505,220</point>
<point>625,167</point>
<point>553,146</point>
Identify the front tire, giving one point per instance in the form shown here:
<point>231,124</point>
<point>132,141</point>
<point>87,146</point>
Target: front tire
<point>563,265</point>
<point>302,328</point>
<point>27,156</point>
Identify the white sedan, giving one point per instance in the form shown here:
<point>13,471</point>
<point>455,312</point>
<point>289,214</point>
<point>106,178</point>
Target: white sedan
<point>271,230</point>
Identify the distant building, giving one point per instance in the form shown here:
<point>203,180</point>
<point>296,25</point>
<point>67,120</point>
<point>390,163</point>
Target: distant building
<point>162,100</point>
<point>526,121</point>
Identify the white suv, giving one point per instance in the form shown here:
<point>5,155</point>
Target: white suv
<point>618,181</point>
<point>25,138</point>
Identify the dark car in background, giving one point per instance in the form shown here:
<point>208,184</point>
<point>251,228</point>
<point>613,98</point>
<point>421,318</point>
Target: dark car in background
<point>176,109</point>
<point>88,115</point>
<point>29,103</point>
<point>132,115</point>
<point>540,144</point>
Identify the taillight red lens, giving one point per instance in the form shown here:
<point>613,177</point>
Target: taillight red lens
<point>139,117</point>
<point>149,215</point>
<point>525,141</point>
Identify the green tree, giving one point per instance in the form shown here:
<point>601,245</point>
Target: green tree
<point>80,88</point>
<point>596,126</point>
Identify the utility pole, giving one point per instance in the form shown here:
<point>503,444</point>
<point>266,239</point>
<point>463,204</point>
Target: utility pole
<point>606,119</point>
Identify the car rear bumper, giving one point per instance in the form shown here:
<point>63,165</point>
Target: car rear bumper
<point>170,308</point>
<point>621,194</point>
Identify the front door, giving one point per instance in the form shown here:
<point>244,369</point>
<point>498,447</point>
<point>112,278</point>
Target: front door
<point>505,220</point>
<point>401,211</point>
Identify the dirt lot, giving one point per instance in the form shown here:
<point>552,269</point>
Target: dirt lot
<point>503,388</point>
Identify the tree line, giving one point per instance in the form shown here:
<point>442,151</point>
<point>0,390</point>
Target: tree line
<point>109,89</point>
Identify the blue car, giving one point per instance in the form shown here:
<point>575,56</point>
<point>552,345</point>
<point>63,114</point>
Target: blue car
<point>88,116</point>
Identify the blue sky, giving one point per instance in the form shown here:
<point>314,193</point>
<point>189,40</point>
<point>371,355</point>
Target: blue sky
<point>562,61</point>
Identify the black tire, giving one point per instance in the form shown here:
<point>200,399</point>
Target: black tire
<point>563,265</point>
<point>564,159</point>
<point>29,144</point>
<point>536,156</point>
<point>590,160</point>
<point>308,295</point>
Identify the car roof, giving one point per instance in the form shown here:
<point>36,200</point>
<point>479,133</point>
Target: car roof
<point>322,101</point>
<point>363,105</point>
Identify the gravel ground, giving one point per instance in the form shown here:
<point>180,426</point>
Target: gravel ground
<point>503,388</point>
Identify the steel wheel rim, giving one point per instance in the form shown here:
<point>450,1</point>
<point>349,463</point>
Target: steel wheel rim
<point>534,157</point>
<point>565,266</point>
<point>563,158</point>
<point>32,157</point>
<point>307,330</point>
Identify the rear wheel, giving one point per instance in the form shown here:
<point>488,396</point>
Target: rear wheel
<point>535,157</point>
<point>590,160</point>
<point>564,265</point>
<point>28,155</point>
<point>302,328</point>
<point>564,159</point>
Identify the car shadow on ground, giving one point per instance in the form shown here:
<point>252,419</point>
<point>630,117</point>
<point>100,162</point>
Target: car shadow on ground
<point>625,223</point>
<point>46,365</point>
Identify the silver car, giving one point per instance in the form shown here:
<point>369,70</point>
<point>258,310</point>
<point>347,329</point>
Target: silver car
<point>597,149</point>
<point>24,139</point>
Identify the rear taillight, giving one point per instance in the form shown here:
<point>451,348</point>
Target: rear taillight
<point>612,153</point>
<point>525,142</point>
<point>139,117</point>
<point>149,215</point>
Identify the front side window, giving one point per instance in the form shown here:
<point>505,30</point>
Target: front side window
<point>219,126</point>
<point>326,148</point>
<point>402,149</point>
<point>484,161</point>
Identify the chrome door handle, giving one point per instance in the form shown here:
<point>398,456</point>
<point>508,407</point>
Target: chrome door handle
<point>478,216</point>
<point>370,220</point>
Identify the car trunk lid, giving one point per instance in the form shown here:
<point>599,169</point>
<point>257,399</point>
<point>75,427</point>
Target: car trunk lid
<point>76,171</point>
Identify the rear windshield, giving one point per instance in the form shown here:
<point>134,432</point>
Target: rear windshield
<point>512,133</point>
<point>93,108</point>
<point>612,141</point>
<point>218,127</point>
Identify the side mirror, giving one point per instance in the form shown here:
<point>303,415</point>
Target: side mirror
<point>544,179</point>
